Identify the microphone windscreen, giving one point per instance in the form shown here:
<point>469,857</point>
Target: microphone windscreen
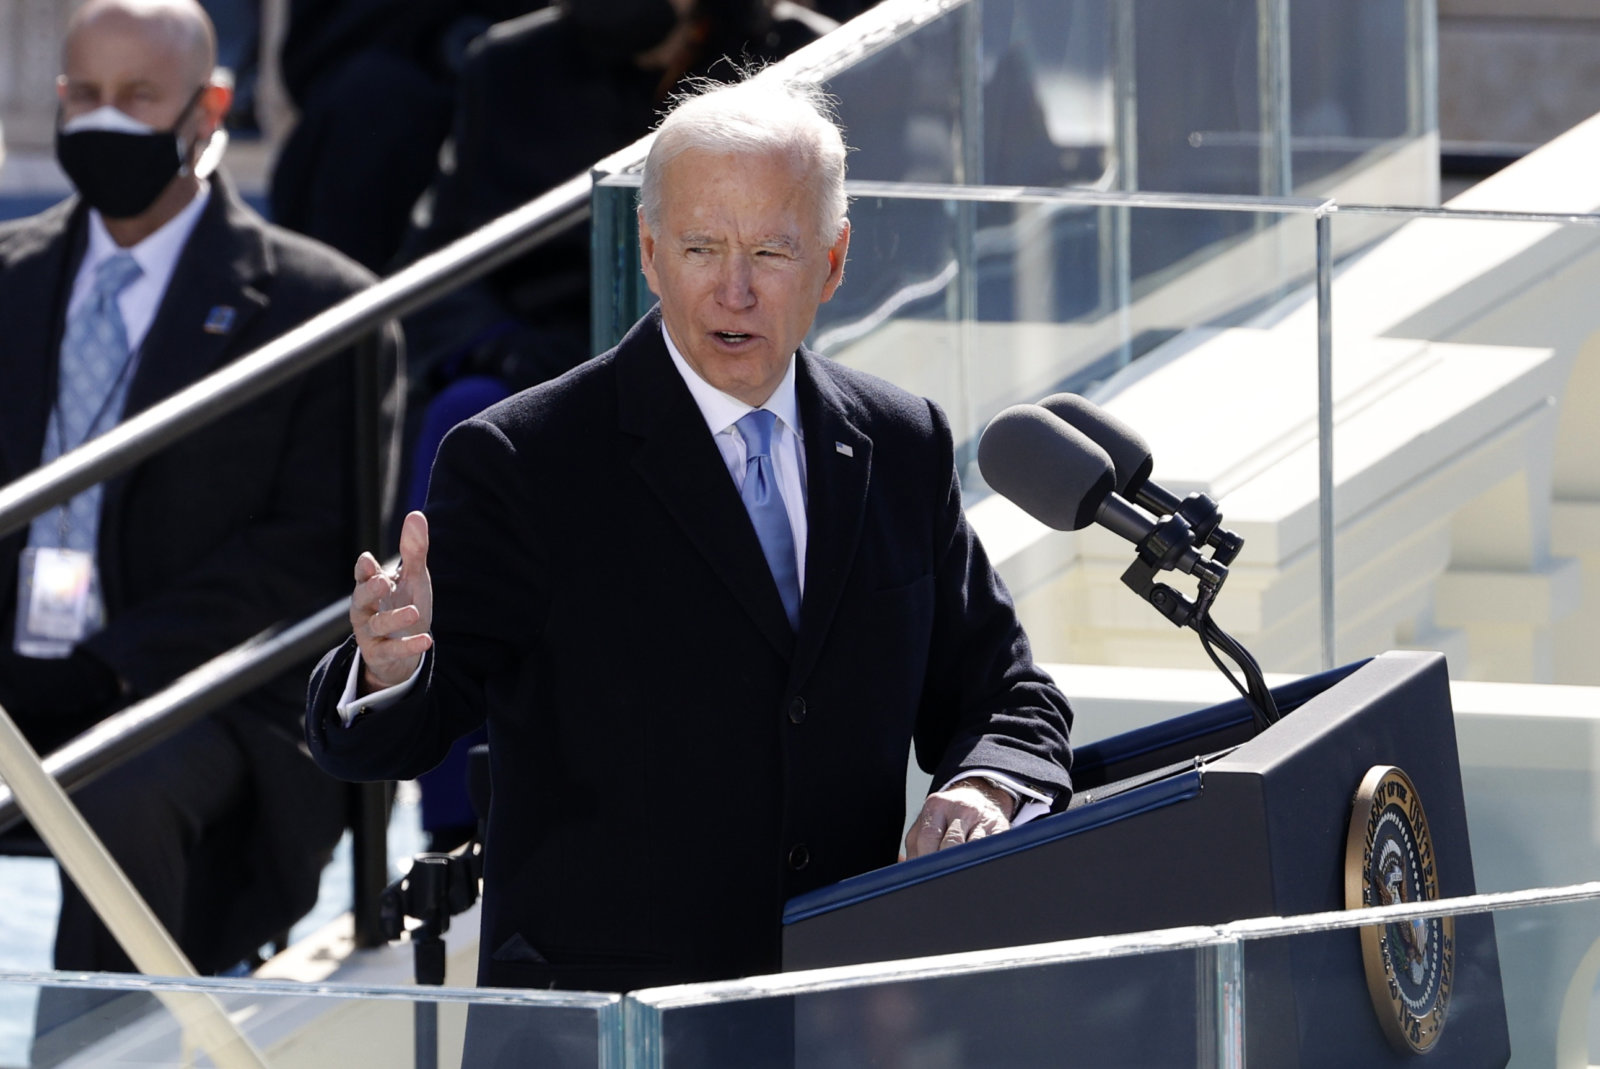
<point>1049,469</point>
<point>1130,456</point>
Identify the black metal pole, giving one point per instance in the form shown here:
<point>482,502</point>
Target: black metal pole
<point>425,1033</point>
<point>429,896</point>
<point>369,802</point>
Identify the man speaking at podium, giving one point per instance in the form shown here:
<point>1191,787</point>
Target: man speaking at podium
<point>705,589</point>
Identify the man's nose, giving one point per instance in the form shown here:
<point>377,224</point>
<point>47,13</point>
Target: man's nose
<point>734,283</point>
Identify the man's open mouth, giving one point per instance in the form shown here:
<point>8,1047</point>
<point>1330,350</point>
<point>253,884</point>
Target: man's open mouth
<point>731,336</point>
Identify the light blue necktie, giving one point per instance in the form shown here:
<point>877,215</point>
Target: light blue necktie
<point>93,386</point>
<point>763,500</point>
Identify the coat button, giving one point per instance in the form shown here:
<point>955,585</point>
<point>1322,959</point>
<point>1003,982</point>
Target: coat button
<point>797,709</point>
<point>799,857</point>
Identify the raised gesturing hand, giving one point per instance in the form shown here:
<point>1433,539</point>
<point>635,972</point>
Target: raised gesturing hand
<point>391,615</point>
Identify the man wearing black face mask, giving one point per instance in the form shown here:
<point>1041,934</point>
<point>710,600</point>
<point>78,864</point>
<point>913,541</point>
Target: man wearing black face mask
<point>154,276</point>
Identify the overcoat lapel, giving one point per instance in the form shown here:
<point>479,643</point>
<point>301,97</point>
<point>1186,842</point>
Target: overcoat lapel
<point>838,473</point>
<point>39,262</point>
<point>680,464</point>
<point>218,278</point>
<point>224,264</point>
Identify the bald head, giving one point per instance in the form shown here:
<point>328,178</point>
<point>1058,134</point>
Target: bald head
<point>153,61</point>
<point>149,59</point>
<point>179,31</point>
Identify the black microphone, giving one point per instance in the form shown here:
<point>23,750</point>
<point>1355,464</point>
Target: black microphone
<point>1130,456</point>
<point>1131,460</point>
<point>1050,470</point>
<point>1063,462</point>
<point>1057,475</point>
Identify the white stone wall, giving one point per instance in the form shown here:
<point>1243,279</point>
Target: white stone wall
<point>30,36</point>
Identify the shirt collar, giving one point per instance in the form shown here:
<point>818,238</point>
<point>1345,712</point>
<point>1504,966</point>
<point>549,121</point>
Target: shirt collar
<point>722,410</point>
<point>157,254</point>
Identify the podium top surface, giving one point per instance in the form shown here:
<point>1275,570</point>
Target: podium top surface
<point>1166,786</point>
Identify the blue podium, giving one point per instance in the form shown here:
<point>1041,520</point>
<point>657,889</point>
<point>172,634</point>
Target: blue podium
<point>1202,820</point>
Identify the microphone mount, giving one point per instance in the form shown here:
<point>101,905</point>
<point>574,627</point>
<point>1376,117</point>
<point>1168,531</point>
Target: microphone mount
<point>1170,543</point>
<point>1200,512</point>
<point>1175,543</point>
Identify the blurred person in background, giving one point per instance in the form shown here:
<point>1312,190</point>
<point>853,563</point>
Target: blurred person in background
<point>152,276</point>
<point>374,82</point>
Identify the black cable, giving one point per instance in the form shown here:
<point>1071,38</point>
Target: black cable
<point>1263,707</point>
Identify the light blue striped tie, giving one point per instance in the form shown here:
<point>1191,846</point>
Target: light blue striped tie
<point>93,386</point>
<point>764,501</point>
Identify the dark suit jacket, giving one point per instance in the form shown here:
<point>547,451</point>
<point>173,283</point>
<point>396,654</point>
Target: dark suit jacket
<point>237,526</point>
<point>670,762</point>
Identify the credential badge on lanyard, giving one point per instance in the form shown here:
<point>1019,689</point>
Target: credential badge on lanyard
<point>52,600</point>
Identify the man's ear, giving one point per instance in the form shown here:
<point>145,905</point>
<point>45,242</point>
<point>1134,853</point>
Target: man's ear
<point>836,258</point>
<point>215,100</point>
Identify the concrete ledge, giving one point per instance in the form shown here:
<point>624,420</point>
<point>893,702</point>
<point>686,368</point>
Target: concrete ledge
<point>1539,597</point>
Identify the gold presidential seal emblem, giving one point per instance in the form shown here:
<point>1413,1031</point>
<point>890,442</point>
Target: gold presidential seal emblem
<point>1389,858</point>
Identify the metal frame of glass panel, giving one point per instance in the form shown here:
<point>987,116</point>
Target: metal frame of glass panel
<point>647,1012</point>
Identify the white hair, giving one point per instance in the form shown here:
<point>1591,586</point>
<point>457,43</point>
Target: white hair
<point>755,116</point>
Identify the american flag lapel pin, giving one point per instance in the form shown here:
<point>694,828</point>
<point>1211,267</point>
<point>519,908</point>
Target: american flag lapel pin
<point>219,320</point>
<point>843,449</point>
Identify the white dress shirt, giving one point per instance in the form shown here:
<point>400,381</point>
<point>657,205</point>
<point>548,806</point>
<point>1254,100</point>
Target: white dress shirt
<point>157,257</point>
<point>721,411</point>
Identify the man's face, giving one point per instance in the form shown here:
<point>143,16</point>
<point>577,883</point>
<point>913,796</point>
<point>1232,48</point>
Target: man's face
<point>739,266</point>
<point>136,67</point>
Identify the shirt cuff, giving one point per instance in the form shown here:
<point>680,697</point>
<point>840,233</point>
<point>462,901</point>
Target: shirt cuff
<point>1032,802</point>
<point>352,704</point>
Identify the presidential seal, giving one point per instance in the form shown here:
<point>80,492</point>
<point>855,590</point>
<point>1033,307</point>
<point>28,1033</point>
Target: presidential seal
<point>1389,858</point>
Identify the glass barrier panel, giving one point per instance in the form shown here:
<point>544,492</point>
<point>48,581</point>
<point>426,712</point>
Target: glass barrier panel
<point>1238,97</point>
<point>906,108</point>
<point>1528,776</point>
<point>1362,101</point>
<point>1467,390</point>
<point>1513,987</point>
<point>1155,1008</point>
<point>107,1020</point>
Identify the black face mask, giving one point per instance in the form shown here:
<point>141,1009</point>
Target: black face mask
<point>121,173</point>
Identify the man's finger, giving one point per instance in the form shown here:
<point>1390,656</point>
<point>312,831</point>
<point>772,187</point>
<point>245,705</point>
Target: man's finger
<point>954,834</point>
<point>390,661</point>
<point>403,652</point>
<point>414,543</point>
<point>367,566</point>
<point>395,623</point>
<point>924,836</point>
<point>367,598</point>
